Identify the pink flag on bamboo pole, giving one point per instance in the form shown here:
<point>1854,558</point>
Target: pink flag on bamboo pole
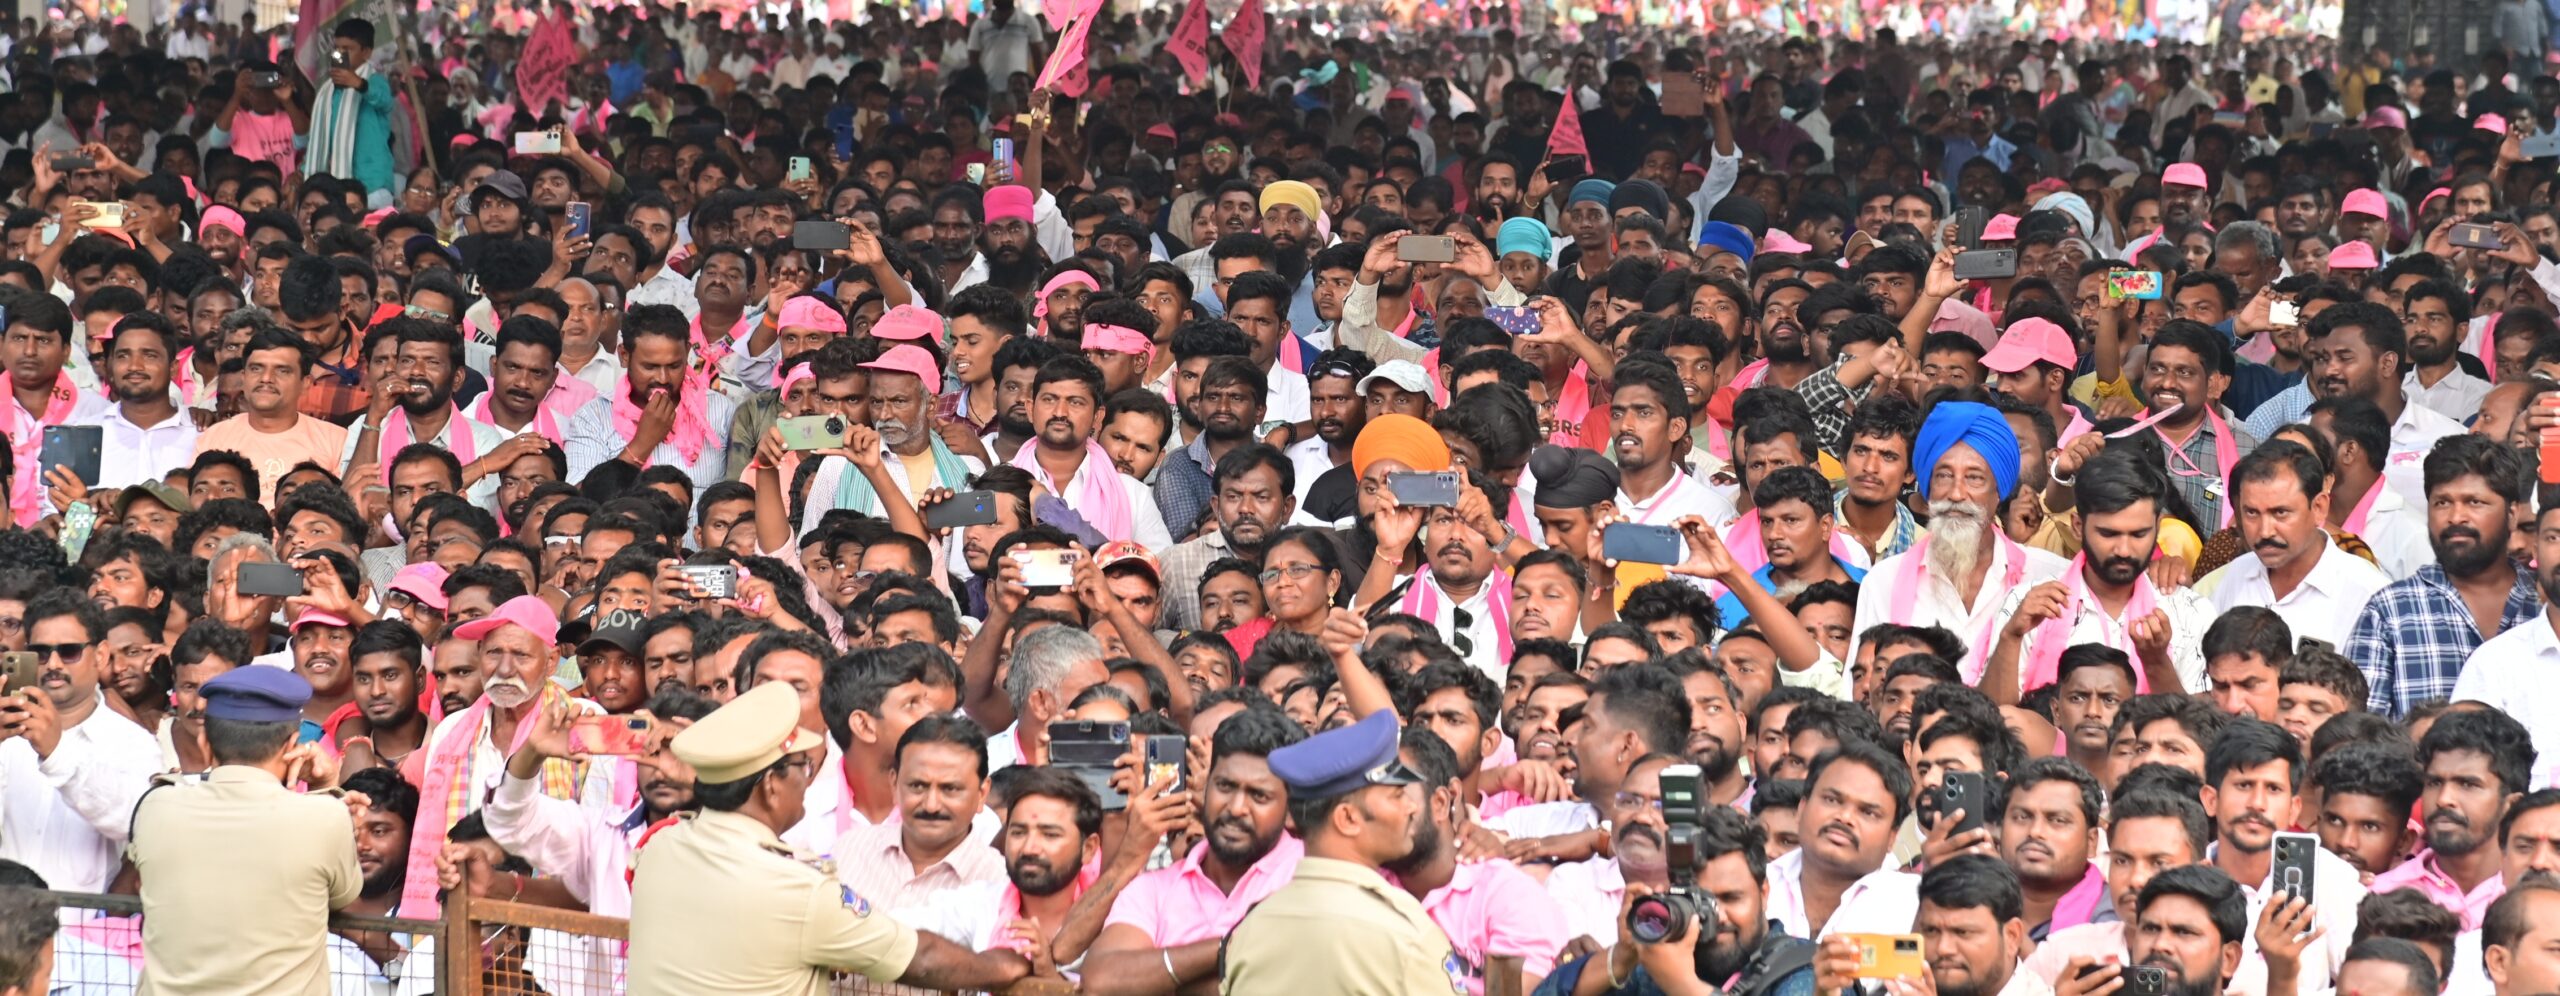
<point>1565,139</point>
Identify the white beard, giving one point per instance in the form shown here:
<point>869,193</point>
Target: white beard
<point>1956,529</point>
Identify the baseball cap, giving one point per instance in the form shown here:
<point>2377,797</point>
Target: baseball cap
<point>745,736</point>
<point>2029,340</point>
<point>908,359</point>
<point>2184,175</point>
<point>1405,374</point>
<point>620,629</point>
<point>2366,202</point>
<point>527,611</point>
<point>424,582</point>
<point>1118,553</point>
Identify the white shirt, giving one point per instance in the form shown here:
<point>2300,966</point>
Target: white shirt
<point>2457,396</point>
<point>2396,529</point>
<point>1937,603</point>
<point>2412,436</point>
<point>67,816</point>
<point>131,454</point>
<point>1884,902</point>
<point>2512,673</point>
<point>485,439</point>
<point>2333,910</point>
<point>1483,635</point>
<point>830,477</point>
<point>1311,458</point>
<point>593,439</point>
<point>604,372</point>
<point>1683,496</point>
<point>665,287</point>
<point>2324,606</point>
<point>2190,614</point>
<point>1546,819</point>
<point>1286,399</point>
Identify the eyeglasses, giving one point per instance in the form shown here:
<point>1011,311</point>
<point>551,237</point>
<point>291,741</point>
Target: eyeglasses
<point>1295,572</point>
<point>1625,801</point>
<point>58,651</point>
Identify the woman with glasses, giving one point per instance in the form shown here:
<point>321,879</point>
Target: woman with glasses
<point>1301,579</point>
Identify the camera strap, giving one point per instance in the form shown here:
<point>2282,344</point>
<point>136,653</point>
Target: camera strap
<point>1777,960</point>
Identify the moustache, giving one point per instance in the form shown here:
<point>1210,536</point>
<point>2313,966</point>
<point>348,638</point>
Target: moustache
<point>1231,822</point>
<point>2271,543</point>
<point>2451,533</point>
<point>930,816</point>
<point>2121,565</point>
<point>2447,817</point>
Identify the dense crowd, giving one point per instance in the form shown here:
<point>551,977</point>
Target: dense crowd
<point>1361,503</point>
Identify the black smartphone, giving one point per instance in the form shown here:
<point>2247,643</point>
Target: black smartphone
<point>1968,791</point>
<point>269,579</point>
<point>967,508</point>
<point>1986,264</point>
<point>1425,489</point>
<point>1091,750</point>
<point>1426,249</point>
<point>1165,755</point>
<point>73,446</point>
<point>267,80</point>
<point>2295,855</point>
<point>2470,236</point>
<point>2145,980</point>
<point>1635,542</point>
<point>1563,170</point>
<point>73,163</point>
<point>1970,222</point>
<point>821,235</point>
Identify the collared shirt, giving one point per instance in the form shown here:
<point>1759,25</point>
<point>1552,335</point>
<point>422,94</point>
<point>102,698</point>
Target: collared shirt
<point>2085,903</point>
<point>1588,894</point>
<point>2412,435</point>
<point>1906,531</point>
<point>1729,610</point>
<point>1831,403</point>
<point>2289,406</point>
<point>2189,616</point>
<point>485,439</point>
<point>1180,904</point>
<point>665,287</point>
<point>2193,468</point>
<point>2323,606</point>
<point>1183,563</point>
<point>2414,636</point>
<point>1683,495</point>
<point>594,440</point>
<point>336,388</point>
<point>2457,396</point>
<point>604,372</point>
<point>2512,674</point>
<point>2423,873</point>
<point>874,863</point>
<point>1938,603</point>
<point>133,453</point>
<point>2333,910</point>
<point>825,488</point>
<point>68,814</point>
<point>1883,902</point>
<point>1491,909</point>
<point>1184,484</point>
<point>1310,457</point>
<point>2395,529</point>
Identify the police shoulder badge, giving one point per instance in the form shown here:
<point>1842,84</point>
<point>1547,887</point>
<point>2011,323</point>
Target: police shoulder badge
<point>1458,970</point>
<point>854,902</point>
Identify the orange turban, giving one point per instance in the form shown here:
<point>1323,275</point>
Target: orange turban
<point>1402,438</point>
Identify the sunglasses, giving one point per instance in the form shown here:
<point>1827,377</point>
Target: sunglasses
<point>58,651</point>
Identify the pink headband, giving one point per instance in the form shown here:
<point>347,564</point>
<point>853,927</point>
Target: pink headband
<point>1040,305</point>
<point>226,219</point>
<point>1118,339</point>
<point>811,313</point>
<point>797,374</point>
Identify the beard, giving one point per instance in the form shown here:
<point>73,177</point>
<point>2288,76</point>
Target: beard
<point>1011,424</point>
<point>1291,263</point>
<point>1035,876</point>
<point>2464,560</point>
<point>1426,845</point>
<point>893,433</point>
<point>385,880</point>
<point>1725,955</point>
<point>1956,529</point>
<point>1253,850</point>
<point>1716,761</point>
<point>2119,570</point>
<point>1015,269</point>
<point>1792,349</point>
<point>436,399</point>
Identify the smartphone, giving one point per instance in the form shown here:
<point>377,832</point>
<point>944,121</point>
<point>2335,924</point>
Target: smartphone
<point>78,522</point>
<point>1091,750</point>
<point>581,218</point>
<point>812,432</point>
<point>73,446</point>
<point>2542,146</point>
<point>1517,321</point>
<point>1889,956</point>
<point>110,214</point>
<point>1001,150</point>
<point>844,141</point>
<point>338,59</point>
<point>267,80</point>
<point>2470,236</point>
<point>2145,980</point>
<point>538,143</point>
<point>1986,264</point>
<point>2231,119</point>
<point>2295,855</point>
<point>2134,285</point>
<point>1567,169</point>
<point>967,508</point>
<point>1968,791</point>
<point>1426,249</point>
<point>801,169</point>
<point>1970,223</point>
<point>1046,568</point>
<point>2284,314</point>
<point>619,735</point>
<point>23,667</point>
<point>713,580</point>
<point>1682,97</point>
<point>269,579</point>
<point>1639,543</point>
<point>1425,489</point>
<point>1165,753</point>
<point>821,235</point>
<point>72,163</point>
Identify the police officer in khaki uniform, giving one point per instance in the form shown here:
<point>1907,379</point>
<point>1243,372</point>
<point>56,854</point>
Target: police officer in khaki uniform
<point>239,872</point>
<point>1357,807</point>
<point>720,905</point>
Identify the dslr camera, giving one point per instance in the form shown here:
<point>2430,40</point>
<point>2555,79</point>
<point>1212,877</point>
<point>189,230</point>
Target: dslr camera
<point>1670,915</point>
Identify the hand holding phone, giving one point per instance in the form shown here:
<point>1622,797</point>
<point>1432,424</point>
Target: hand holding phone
<point>622,736</point>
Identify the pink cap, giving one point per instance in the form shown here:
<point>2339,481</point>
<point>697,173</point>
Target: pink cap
<point>424,582</point>
<point>2386,117</point>
<point>1011,200</point>
<point>226,219</point>
<point>1118,339</point>
<point>2185,175</point>
<point>526,611</point>
<point>1065,278</point>
<point>798,373</point>
<point>2001,228</point>
<point>317,617</point>
<point>2432,195</point>
<point>811,313</point>
<point>1401,93</point>
<point>1779,241</point>
<point>2366,202</point>
<point>906,359</point>
<point>907,323</point>
<point>2491,122</point>
<point>375,219</point>
<point>1163,131</point>
<point>2029,340</point>
<point>1693,169</point>
<point>2355,255</point>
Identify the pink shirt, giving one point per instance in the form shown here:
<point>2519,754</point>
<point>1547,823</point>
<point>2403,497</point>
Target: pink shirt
<point>267,137</point>
<point>2425,875</point>
<point>1491,909</point>
<point>873,862</point>
<point>1180,905</point>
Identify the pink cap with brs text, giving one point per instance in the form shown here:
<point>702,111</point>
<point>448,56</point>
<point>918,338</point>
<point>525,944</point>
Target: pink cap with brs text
<point>2185,175</point>
<point>2366,202</point>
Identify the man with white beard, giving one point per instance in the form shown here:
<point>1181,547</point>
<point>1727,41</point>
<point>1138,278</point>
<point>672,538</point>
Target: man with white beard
<point>1959,575</point>
<point>904,383</point>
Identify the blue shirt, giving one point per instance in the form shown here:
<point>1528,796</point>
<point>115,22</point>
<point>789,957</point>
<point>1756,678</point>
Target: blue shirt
<point>1568,975</point>
<point>2412,639</point>
<point>1729,610</point>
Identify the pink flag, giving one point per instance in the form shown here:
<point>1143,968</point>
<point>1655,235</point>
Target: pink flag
<point>1566,138</point>
<point>311,39</point>
<point>542,71</point>
<point>1190,41</point>
<point>1068,71</point>
<point>1244,39</point>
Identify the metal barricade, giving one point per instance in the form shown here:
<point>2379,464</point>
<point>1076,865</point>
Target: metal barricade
<point>99,949</point>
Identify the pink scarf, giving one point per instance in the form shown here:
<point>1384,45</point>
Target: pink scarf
<point>568,394</point>
<point>1422,600</point>
<point>396,437</point>
<point>2044,666</point>
<point>1749,551</point>
<point>1095,493</point>
<point>692,432</point>
<point>26,444</point>
<point>1573,407</point>
<point>2364,508</point>
<point>1915,565</point>
<point>450,788</point>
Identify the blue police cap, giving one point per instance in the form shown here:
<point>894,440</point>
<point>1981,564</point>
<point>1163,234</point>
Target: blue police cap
<point>256,694</point>
<point>1344,760</point>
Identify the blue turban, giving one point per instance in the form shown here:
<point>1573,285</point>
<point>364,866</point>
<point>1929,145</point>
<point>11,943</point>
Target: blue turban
<point>1976,425</point>
<point>1595,190</point>
<point>1527,235</point>
<point>1729,237</point>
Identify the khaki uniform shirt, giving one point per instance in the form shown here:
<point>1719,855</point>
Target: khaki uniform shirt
<point>239,875</point>
<point>1374,938</point>
<point>720,905</point>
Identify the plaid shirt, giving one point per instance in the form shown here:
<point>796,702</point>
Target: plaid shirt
<point>1831,405</point>
<point>335,391</point>
<point>1904,534</point>
<point>2413,637</point>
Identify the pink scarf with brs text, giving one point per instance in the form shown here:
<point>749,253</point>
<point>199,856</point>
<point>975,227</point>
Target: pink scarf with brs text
<point>1095,493</point>
<point>2044,666</point>
<point>1914,573</point>
<point>26,444</point>
<point>1422,601</point>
